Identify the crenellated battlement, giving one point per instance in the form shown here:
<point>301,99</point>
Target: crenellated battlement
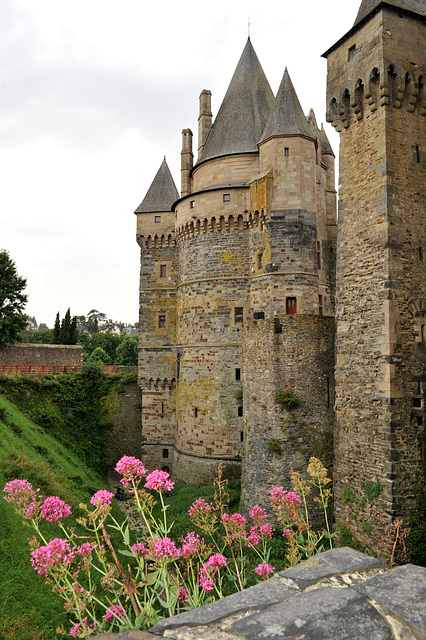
<point>157,384</point>
<point>157,241</point>
<point>217,224</point>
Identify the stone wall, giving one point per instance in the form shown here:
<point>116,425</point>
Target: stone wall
<point>125,435</point>
<point>299,358</point>
<point>376,100</point>
<point>39,354</point>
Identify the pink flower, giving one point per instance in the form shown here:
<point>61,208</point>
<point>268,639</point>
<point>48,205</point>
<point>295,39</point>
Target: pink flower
<point>281,498</point>
<point>101,497</point>
<point>206,584</point>
<point>202,514</point>
<point>258,514</point>
<point>52,557</point>
<point>183,595</point>
<point>254,537</point>
<point>85,550</point>
<point>162,548</point>
<point>159,480</point>
<point>287,532</point>
<point>263,569</point>
<point>114,612</point>
<point>54,509</point>
<point>21,494</point>
<point>216,560</point>
<point>131,469</point>
<point>234,523</point>
<point>266,530</point>
<point>191,544</point>
<point>139,548</point>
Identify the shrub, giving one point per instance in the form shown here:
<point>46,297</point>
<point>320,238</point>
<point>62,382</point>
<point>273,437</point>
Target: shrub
<point>287,398</point>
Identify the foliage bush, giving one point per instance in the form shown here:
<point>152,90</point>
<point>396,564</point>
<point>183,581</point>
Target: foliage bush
<point>287,398</point>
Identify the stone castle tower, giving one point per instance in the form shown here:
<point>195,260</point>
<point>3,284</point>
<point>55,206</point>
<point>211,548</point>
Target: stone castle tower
<point>376,99</point>
<point>250,244</point>
<point>239,286</point>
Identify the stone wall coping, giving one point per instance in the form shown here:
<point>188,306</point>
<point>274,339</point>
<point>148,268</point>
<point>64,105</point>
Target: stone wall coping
<point>340,594</point>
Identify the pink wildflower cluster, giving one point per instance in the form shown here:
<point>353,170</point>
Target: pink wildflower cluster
<point>280,497</point>
<point>21,495</point>
<point>191,544</point>
<point>159,481</point>
<point>162,548</point>
<point>52,557</point>
<point>131,469</point>
<point>202,514</point>
<point>264,569</point>
<point>101,497</point>
<point>258,514</point>
<point>114,612</point>
<point>139,548</point>
<point>209,570</point>
<point>81,629</point>
<point>54,509</point>
<point>183,595</point>
<point>234,524</point>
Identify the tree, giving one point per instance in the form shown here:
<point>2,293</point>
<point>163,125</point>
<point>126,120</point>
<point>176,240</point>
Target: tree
<point>95,319</point>
<point>12,300</point>
<point>99,355</point>
<point>127,351</point>
<point>57,330</point>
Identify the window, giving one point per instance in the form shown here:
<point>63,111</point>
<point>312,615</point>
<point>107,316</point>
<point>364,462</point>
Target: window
<point>195,412</point>
<point>192,204</point>
<point>161,321</point>
<point>240,411</point>
<point>320,305</point>
<point>162,409</point>
<point>286,152</point>
<point>259,260</point>
<point>163,270</point>
<point>319,255</point>
<point>421,254</point>
<point>165,453</point>
<point>157,218</point>
<point>259,315</point>
<point>237,374</point>
<point>178,357</point>
<point>239,314</point>
<point>291,306</point>
<point>417,153</point>
<point>227,197</point>
<point>242,436</point>
<point>351,51</point>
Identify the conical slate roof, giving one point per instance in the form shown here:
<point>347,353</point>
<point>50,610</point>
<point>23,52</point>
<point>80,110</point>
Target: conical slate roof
<point>326,148</point>
<point>244,111</point>
<point>161,194</point>
<point>286,117</point>
<point>367,6</point>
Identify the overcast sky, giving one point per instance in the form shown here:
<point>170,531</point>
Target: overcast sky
<point>94,93</point>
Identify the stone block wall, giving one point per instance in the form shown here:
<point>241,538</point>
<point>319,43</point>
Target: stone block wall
<point>376,100</point>
<point>39,354</point>
<point>299,358</point>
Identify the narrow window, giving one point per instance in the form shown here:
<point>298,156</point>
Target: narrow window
<point>165,453</point>
<point>192,204</point>
<point>167,470</point>
<point>319,255</point>
<point>291,306</point>
<point>421,254</point>
<point>320,305</point>
<point>241,436</point>
<point>178,357</point>
<point>226,197</point>
<point>422,333</point>
<point>286,152</point>
<point>417,153</point>
<point>259,261</point>
<point>239,314</point>
<point>161,321</point>
<point>351,51</point>
<point>162,408</point>
<point>259,315</point>
<point>240,411</point>
<point>163,270</point>
<point>195,412</point>
<point>157,218</point>
<point>237,374</point>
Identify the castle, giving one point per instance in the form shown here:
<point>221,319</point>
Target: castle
<point>254,293</point>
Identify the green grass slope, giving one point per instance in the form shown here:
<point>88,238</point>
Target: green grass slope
<point>29,610</point>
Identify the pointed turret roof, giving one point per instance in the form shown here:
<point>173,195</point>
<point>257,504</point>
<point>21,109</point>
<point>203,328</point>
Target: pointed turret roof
<point>326,148</point>
<point>367,6</point>
<point>161,194</point>
<point>286,117</point>
<point>244,111</point>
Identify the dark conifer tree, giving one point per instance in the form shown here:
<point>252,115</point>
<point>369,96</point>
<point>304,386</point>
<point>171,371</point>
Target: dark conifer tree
<point>57,330</point>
